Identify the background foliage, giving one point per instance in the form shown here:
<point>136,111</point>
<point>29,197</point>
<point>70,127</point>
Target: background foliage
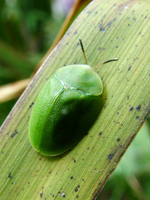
<point>28,29</point>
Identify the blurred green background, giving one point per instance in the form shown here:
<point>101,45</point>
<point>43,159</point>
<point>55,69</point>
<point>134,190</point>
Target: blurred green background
<point>27,30</point>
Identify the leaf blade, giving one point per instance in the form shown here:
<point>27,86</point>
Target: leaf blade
<point>109,29</point>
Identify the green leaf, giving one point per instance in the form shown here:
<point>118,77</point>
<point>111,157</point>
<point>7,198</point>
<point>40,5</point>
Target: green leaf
<point>108,29</point>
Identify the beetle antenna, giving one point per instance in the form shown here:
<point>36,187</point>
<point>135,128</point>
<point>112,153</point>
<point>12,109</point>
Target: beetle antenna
<point>114,59</point>
<point>81,44</point>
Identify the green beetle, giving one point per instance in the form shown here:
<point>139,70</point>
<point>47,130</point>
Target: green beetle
<point>65,109</point>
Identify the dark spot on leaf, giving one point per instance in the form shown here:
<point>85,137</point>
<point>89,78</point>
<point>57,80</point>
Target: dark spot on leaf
<point>41,194</point>
<point>9,175</point>
<point>129,68</point>
<point>13,135</point>
<point>127,97</point>
<point>71,177</point>
<point>31,104</point>
<point>116,47</point>
<point>118,139</point>
<point>117,113</point>
<point>63,195</point>
<point>102,29</point>
<point>100,133</point>
<point>134,19</point>
<point>138,107</point>
<point>109,23</point>
<point>128,24</point>
<point>137,117</point>
<point>74,160</point>
<point>75,32</point>
<point>131,109</point>
<point>111,156</point>
<point>76,189</point>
